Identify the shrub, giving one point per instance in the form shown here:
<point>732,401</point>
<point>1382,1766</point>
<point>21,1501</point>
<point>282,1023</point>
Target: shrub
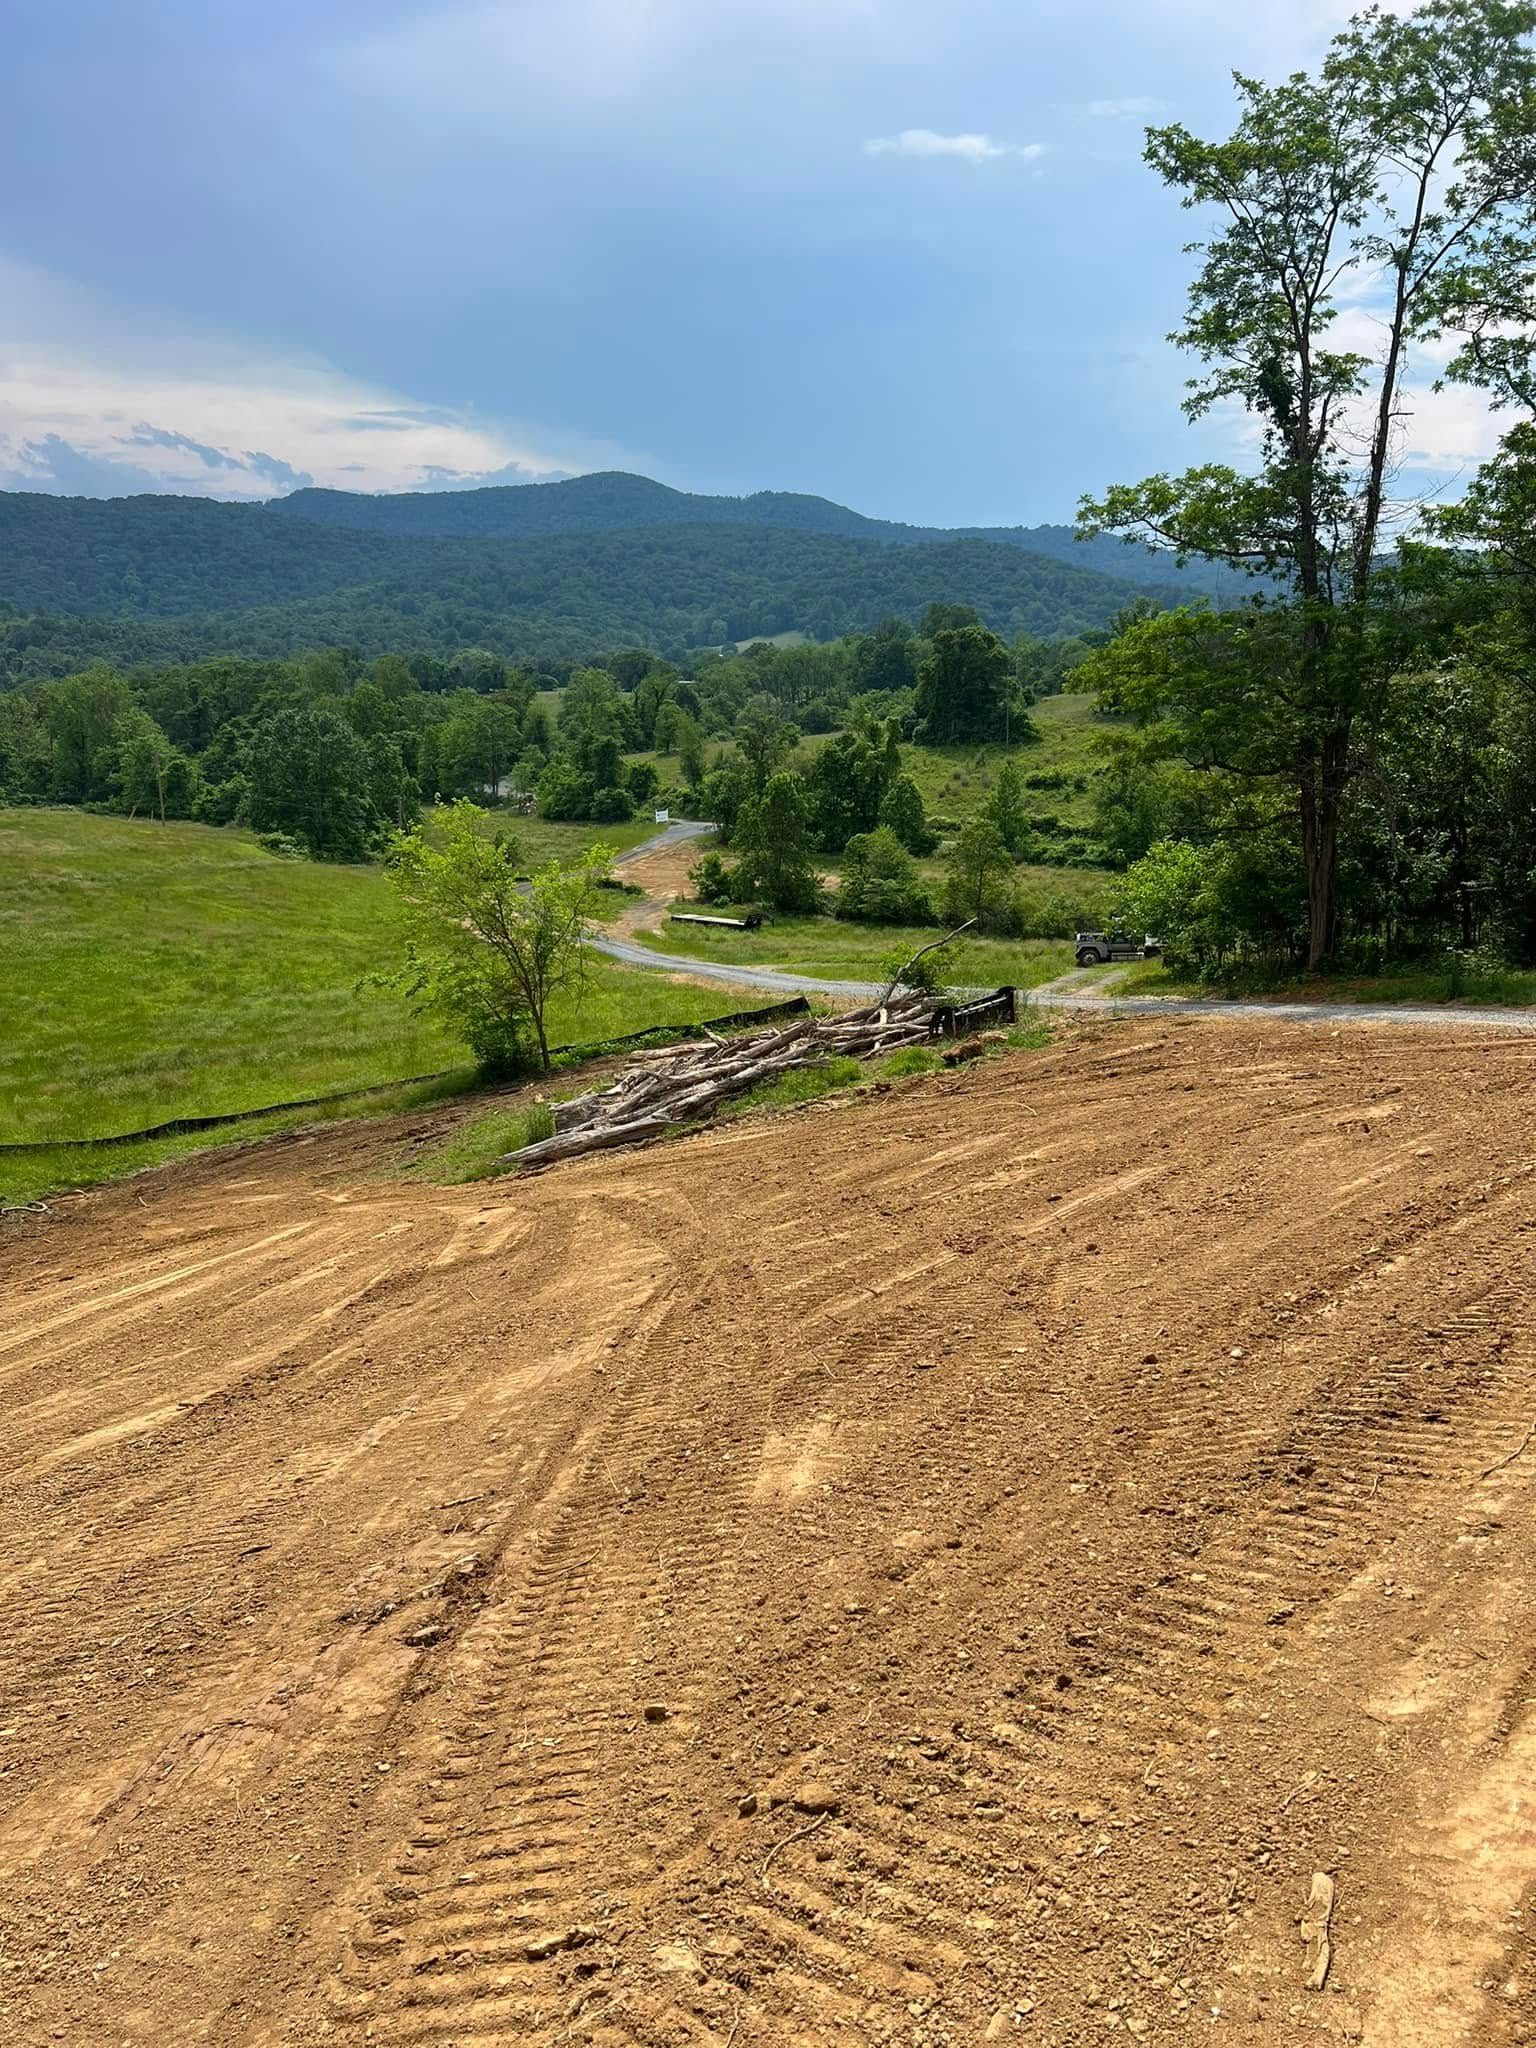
<point>281,844</point>
<point>928,976</point>
<point>612,806</point>
<point>881,884</point>
<point>714,881</point>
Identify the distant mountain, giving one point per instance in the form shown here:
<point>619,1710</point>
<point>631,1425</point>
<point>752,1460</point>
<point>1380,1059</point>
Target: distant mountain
<point>612,500</point>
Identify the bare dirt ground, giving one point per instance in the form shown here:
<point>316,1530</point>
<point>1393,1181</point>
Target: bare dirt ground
<point>943,1567</point>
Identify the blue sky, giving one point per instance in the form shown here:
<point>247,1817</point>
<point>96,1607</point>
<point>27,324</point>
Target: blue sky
<point>900,252</point>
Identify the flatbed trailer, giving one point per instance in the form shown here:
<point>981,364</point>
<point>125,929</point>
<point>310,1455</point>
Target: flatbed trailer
<point>725,924</point>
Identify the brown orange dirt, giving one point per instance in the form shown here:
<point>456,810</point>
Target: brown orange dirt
<point>662,874</point>
<point>947,1566</point>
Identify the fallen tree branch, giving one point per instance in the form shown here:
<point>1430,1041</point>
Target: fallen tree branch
<point>931,947</point>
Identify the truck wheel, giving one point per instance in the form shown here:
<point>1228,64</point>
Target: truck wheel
<point>1086,957</point>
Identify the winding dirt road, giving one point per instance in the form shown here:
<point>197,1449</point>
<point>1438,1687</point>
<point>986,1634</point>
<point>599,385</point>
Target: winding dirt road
<point>948,1566</point>
<point>660,866</point>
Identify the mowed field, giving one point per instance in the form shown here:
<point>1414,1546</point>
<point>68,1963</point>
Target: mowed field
<point>153,971</point>
<point>950,1565</point>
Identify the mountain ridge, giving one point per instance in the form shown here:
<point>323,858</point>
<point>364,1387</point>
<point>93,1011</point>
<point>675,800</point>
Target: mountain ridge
<point>614,500</point>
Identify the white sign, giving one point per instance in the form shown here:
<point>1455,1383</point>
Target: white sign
<point>663,817</point>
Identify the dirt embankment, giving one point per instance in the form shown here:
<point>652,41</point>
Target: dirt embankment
<point>947,1567</point>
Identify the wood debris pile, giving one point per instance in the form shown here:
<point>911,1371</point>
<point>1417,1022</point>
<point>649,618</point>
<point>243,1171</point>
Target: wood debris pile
<point>684,1083</point>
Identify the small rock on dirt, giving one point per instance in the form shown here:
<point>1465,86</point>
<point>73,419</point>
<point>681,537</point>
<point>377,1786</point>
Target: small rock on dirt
<point>540,1947</point>
<point>816,1798</point>
<point>656,1710</point>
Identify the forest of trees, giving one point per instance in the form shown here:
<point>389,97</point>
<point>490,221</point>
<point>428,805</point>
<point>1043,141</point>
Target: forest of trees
<point>611,500</point>
<point>335,753</point>
<point>1349,758</point>
<point>174,579</point>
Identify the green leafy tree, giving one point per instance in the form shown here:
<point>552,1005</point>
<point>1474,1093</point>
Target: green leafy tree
<point>152,775</point>
<point>766,739</point>
<point>712,878</point>
<point>688,744</point>
<point>881,883</point>
<point>24,750</point>
<point>394,795</point>
<point>903,811</point>
<point>1402,177</point>
<point>308,774</point>
<point>564,792</point>
<point>774,845</point>
<point>593,707</point>
<point>1208,905</point>
<point>1009,811</point>
<point>84,716</point>
<point>961,686</point>
<point>884,659</point>
<point>487,948</point>
<point>847,783</point>
<point>724,791</point>
<point>977,873</point>
<point>613,805</point>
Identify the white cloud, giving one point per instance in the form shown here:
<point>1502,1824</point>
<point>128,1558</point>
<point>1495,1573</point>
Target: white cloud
<point>1136,107</point>
<point>972,149</point>
<point>98,401</point>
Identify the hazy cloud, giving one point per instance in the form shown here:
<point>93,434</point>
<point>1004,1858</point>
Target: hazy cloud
<point>276,471</point>
<point>80,416</point>
<point>57,468</point>
<point>972,149</point>
<point>435,478</point>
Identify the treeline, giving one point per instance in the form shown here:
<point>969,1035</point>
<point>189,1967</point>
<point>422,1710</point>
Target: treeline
<point>611,500</point>
<point>160,580</point>
<point>1436,821</point>
<point>1346,771</point>
<point>333,752</point>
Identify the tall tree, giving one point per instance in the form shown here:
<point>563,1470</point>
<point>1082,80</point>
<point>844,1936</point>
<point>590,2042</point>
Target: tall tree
<point>766,738</point>
<point>979,863</point>
<point>1401,180</point>
<point>309,777</point>
<point>774,846</point>
<point>962,684</point>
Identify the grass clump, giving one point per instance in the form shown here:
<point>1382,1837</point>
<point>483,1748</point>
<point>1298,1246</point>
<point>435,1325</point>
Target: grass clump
<point>912,1059</point>
<point>799,1085</point>
<point>478,1147</point>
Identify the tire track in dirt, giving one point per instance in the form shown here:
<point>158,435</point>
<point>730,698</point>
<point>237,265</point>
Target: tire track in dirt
<point>851,1958</point>
<point>997,1481</point>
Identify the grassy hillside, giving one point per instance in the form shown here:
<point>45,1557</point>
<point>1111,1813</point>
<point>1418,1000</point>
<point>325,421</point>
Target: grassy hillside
<point>1058,772</point>
<point>161,971</point>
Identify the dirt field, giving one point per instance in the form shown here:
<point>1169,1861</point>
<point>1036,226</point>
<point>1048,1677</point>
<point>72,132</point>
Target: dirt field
<point>943,1567</point>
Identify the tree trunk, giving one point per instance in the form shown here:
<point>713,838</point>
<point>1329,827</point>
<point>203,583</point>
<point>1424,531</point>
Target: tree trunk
<point>1321,791</point>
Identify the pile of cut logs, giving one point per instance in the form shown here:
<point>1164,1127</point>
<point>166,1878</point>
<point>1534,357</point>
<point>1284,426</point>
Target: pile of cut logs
<point>682,1084</point>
